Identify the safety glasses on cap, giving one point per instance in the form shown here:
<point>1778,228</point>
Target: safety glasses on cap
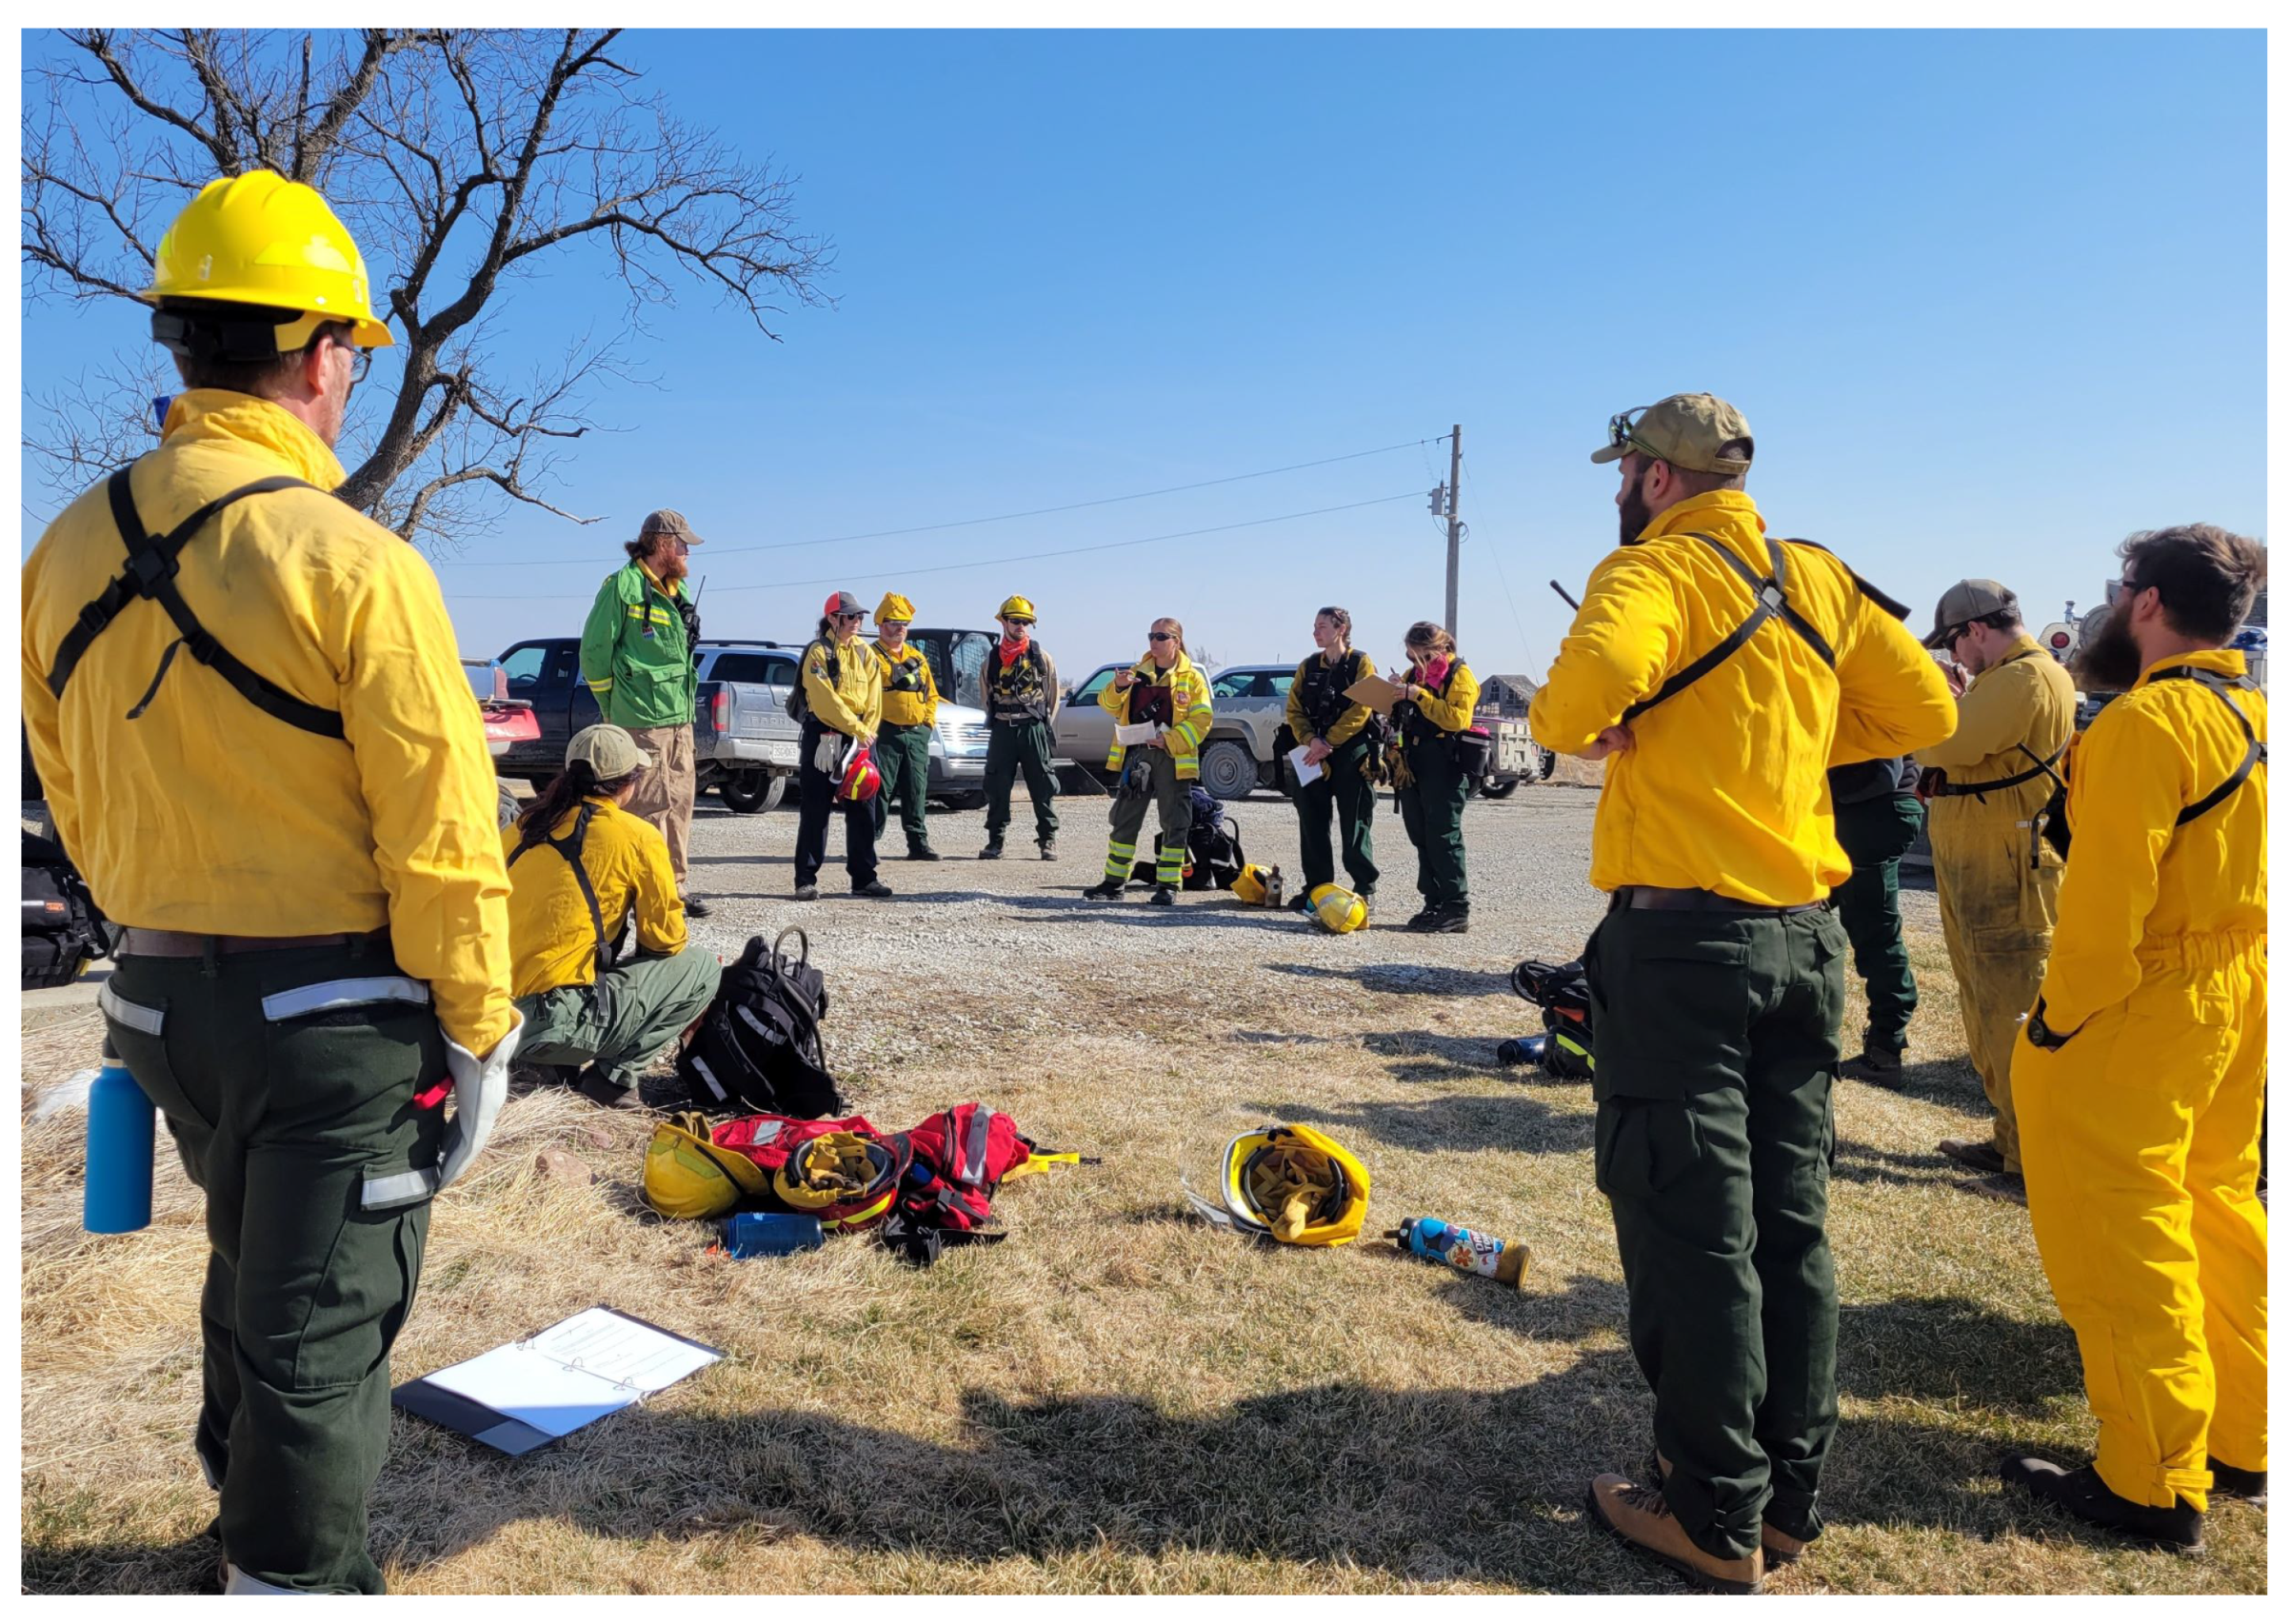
<point>1623,434</point>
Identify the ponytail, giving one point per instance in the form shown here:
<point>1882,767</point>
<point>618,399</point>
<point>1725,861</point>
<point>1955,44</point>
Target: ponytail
<point>566,791</point>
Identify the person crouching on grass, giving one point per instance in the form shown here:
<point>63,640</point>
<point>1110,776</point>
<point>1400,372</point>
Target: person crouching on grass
<point>1167,688</point>
<point>578,864</point>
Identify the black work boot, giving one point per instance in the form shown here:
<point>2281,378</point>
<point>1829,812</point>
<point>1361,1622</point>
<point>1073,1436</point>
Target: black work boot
<point>918,851</point>
<point>2237,1484</point>
<point>872,888</point>
<point>697,908</point>
<point>1880,1067</point>
<point>2082,1494</point>
<point>1107,890</point>
<point>1049,850</point>
<point>1163,896</point>
<point>1443,918</point>
<point>993,849</point>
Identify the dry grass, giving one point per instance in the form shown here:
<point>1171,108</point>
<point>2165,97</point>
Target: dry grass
<point>1119,1398</point>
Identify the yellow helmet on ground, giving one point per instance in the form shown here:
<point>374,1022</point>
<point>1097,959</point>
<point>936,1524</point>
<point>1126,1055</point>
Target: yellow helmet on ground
<point>687,1176</point>
<point>261,239</point>
<point>1294,1184</point>
<point>843,1180</point>
<point>1014,609</point>
<point>1258,885</point>
<point>1342,911</point>
<point>893,608</point>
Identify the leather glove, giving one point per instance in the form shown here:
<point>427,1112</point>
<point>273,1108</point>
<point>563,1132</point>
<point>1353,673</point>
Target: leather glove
<point>479,1089</point>
<point>828,757</point>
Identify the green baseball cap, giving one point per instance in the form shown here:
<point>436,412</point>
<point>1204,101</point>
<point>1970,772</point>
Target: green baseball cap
<point>611,752</point>
<point>1687,431</point>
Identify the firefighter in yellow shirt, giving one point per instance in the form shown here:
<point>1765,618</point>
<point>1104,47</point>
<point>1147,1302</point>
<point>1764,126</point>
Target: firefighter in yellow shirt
<point>1437,695</point>
<point>1999,880</point>
<point>843,696</point>
<point>2141,1070</point>
<point>581,866</point>
<point>909,709</point>
<point>272,776</point>
<point>1719,673</point>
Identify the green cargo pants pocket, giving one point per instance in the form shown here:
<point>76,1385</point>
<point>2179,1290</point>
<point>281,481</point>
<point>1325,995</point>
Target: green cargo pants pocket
<point>1644,1147</point>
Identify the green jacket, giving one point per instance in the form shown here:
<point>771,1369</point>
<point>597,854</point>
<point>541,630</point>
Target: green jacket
<point>635,655</point>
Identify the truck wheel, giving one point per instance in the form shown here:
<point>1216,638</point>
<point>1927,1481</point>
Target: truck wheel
<point>1228,770</point>
<point>1547,763</point>
<point>1498,785</point>
<point>752,791</point>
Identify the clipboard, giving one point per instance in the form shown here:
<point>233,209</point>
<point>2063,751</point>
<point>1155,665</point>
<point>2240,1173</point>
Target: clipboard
<point>526,1395</point>
<point>1375,693</point>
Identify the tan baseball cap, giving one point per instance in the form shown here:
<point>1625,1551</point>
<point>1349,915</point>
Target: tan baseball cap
<point>667,522</point>
<point>1968,601</point>
<point>1683,430</point>
<point>611,752</point>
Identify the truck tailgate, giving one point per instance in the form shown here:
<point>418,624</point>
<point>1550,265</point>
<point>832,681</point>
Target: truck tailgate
<point>744,724</point>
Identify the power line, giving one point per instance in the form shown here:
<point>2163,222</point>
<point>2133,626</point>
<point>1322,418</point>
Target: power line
<point>1495,557</point>
<point>902,572</point>
<point>990,519</point>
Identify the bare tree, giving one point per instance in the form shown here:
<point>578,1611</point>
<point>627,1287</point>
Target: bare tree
<point>462,161</point>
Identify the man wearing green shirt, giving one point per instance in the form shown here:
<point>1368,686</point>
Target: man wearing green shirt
<point>639,654</point>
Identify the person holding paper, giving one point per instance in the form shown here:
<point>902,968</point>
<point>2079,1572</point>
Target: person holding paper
<point>1437,698</point>
<point>1160,708</point>
<point>1337,735</point>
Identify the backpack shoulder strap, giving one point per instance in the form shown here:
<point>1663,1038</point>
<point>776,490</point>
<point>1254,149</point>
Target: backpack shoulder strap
<point>2253,753</point>
<point>150,572</point>
<point>1770,595</point>
<point>569,849</point>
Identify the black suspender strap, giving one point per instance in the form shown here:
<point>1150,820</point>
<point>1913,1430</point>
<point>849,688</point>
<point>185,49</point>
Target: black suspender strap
<point>569,849</point>
<point>2043,764</point>
<point>1772,601</point>
<point>150,573</point>
<point>2253,753</point>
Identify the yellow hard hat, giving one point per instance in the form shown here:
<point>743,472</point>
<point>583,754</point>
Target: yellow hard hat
<point>1293,1185</point>
<point>686,1176</point>
<point>1342,911</point>
<point>893,608</point>
<point>843,1179</point>
<point>1015,608</point>
<point>261,239</point>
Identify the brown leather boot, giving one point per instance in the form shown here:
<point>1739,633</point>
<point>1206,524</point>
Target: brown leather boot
<point>1781,1549</point>
<point>1639,1515</point>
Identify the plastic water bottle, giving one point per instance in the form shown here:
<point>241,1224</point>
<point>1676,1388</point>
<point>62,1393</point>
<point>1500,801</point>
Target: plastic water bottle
<point>1438,1242</point>
<point>122,1128</point>
<point>770,1234</point>
<point>1522,1050</point>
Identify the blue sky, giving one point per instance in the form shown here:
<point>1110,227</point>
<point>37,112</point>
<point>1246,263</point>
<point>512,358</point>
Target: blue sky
<point>1990,302</point>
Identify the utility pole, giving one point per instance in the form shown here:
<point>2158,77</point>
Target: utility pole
<point>1455,524</point>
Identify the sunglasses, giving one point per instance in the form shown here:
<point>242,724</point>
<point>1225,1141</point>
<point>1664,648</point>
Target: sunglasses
<point>1161,637</point>
<point>1623,434</point>
<point>850,614</point>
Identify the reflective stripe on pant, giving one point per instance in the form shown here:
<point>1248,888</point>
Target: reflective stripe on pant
<point>635,1010</point>
<point>303,1134</point>
<point>1159,786</point>
<point>1013,747</point>
<point>1340,789</point>
<point>1716,1045</point>
<point>1431,807</point>
<point>1875,833</point>
<point>664,795</point>
<point>816,805</point>
<point>2141,1138</point>
<point>1997,913</point>
<point>902,757</point>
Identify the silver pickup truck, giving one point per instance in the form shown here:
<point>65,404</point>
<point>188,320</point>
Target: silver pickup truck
<point>746,745</point>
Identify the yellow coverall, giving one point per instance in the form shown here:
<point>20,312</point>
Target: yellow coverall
<point>1999,881</point>
<point>2140,1131</point>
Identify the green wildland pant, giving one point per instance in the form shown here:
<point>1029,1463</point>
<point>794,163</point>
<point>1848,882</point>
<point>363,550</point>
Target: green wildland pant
<point>622,1018</point>
<point>1431,806</point>
<point>1149,778</point>
<point>1875,834</point>
<point>1342,789</point>
<point>288,1078</point>
<point>902,757</point>
<point>1009,748</point>
<point>1716,1045</point>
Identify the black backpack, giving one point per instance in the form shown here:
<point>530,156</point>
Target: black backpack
<point>63,930</point>
<point>1561,992</point>
<point>757,1047</point>
<point>798,705</point>
<point>1213,858</point>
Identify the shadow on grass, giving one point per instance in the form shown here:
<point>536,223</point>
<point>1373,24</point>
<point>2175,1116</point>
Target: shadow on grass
<point>1858,1163</point>
<point>1450,1122</point>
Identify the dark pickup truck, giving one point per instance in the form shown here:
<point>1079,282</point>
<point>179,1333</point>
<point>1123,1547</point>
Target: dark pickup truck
<point>744,746</point>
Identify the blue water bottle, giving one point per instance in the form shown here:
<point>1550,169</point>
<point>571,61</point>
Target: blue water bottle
<point>770,1234</point>
<point>122,1125</point>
